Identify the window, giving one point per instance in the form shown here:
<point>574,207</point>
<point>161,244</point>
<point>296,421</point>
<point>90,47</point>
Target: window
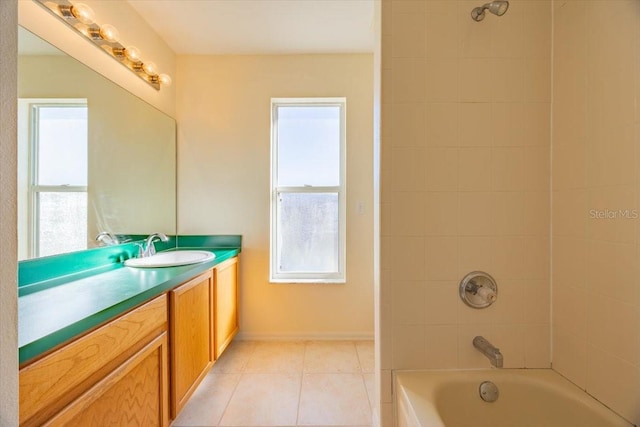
<point>56,172</point>
<point>308,235</point>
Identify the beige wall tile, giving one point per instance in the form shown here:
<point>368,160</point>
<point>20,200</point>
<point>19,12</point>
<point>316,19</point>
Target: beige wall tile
<point>442,84</point>
<point>507,169</point>
<point>613,327</point>
<point>570,356</point>
<point>570,310</point>
<point>442,124</point>
<point>612,269</point>
<point>475,39</point>
<point>468,356</point>
<point>476,126</point>
<point>407,258</point>
<point>510,339</point>
<point>508,120</point>
<point>474,75</point>
<point>618,385</point>
<point>408,302</point>
<point>442,257</point>
<point>537,124</point>
<point>536,217</point>
<point>441,169</point>
<point>507,213</point>
<point>536,75</point>
<point>474,255</point>
<point>536,28</point>
<point>408,346</point>
<point>508,81</point>
<point>570,213</point>
<point>569,165</point>
<point>508,257</point>
<point>408,169</point>
<point>441,213</point>
<point>570,261</point>
<point>408,125</point>
<point>409,35</point>
<point>612,213</point>
<point>407,214</point>
<point>537,168</point>
<point>441,343</point>
<point>474,166</point>
<point>537,346</point>
<point>442,39</point>
<point>474,216</point>
<point>511,302</point>
<point>409,80</point>
<point>507,39</point>
<point>441,301</point>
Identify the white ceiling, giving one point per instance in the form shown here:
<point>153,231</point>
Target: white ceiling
<point>209,27</point>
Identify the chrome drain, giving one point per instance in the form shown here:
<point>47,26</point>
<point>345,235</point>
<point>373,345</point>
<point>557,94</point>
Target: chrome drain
<point>488,391</point>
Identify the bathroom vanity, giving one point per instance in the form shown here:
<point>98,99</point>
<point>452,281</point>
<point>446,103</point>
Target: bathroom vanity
<point>164,331</point>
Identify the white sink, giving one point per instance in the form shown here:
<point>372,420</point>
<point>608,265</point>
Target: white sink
<point>171,259</point>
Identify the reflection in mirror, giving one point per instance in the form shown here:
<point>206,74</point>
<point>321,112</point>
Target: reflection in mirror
<point>92,157</point>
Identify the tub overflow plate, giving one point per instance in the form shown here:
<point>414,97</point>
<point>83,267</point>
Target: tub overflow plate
<point>488,391</point>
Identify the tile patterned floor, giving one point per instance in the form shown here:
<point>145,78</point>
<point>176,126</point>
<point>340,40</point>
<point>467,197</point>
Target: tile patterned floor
<point>301,383</point>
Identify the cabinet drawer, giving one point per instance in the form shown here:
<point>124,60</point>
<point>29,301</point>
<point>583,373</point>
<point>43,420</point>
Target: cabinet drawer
<point>49,384</point>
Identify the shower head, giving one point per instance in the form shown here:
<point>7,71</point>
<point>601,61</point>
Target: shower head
<point>498,8</point>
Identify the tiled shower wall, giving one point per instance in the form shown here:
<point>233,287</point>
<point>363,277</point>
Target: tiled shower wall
<point>465,183</point>
<point>596,185</point>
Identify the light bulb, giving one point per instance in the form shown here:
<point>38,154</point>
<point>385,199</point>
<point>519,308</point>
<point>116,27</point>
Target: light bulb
<point>164,79</point>
<point>109,33</point>
<point>150,68</point>
<point>132,53</point>
<point>83,13</point>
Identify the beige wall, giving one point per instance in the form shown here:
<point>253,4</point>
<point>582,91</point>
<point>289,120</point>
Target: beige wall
<point>133,31</point>
<point>8,233</point>
<point>223,112</point>
<point>465,183</point>
<point>596,135</point>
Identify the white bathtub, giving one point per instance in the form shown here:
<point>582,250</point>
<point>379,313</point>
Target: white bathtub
<point>528,398</point>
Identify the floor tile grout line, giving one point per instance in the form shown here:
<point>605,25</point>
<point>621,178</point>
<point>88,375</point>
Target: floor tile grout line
<point>304,356</point>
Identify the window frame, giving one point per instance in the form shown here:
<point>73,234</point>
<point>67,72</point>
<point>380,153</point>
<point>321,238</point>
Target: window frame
<point>29,109</point>
<point>340,276</point>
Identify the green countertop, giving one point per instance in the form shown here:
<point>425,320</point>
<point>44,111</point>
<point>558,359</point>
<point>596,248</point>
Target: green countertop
<point>56,314</point>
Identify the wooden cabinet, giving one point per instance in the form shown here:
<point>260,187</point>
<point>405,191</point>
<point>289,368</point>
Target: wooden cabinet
<point>102,364</point>
<point>225,282</point>
<point>191,329</point>
<point>141,368</point>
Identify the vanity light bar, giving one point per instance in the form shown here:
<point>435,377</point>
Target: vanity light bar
<point>81,18</point>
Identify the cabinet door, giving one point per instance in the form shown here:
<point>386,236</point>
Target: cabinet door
<point>53,382</point>
<point>226,303</point>
<point>134,394</point>
<point>191,329</point>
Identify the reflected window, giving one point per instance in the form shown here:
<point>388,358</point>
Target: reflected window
<point>57,175</point>
<point>308,190</point>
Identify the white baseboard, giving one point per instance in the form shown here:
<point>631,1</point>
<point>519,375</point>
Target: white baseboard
<point>315,336</point>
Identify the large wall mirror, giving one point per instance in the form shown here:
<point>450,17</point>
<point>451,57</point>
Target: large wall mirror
<point>92,157</point>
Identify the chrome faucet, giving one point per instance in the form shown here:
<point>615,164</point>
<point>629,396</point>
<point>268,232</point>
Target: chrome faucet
<point>149,248</point>
<point>491,352</point>
<point>107,238</point>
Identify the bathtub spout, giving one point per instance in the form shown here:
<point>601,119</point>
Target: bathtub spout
<point>486,348</point>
